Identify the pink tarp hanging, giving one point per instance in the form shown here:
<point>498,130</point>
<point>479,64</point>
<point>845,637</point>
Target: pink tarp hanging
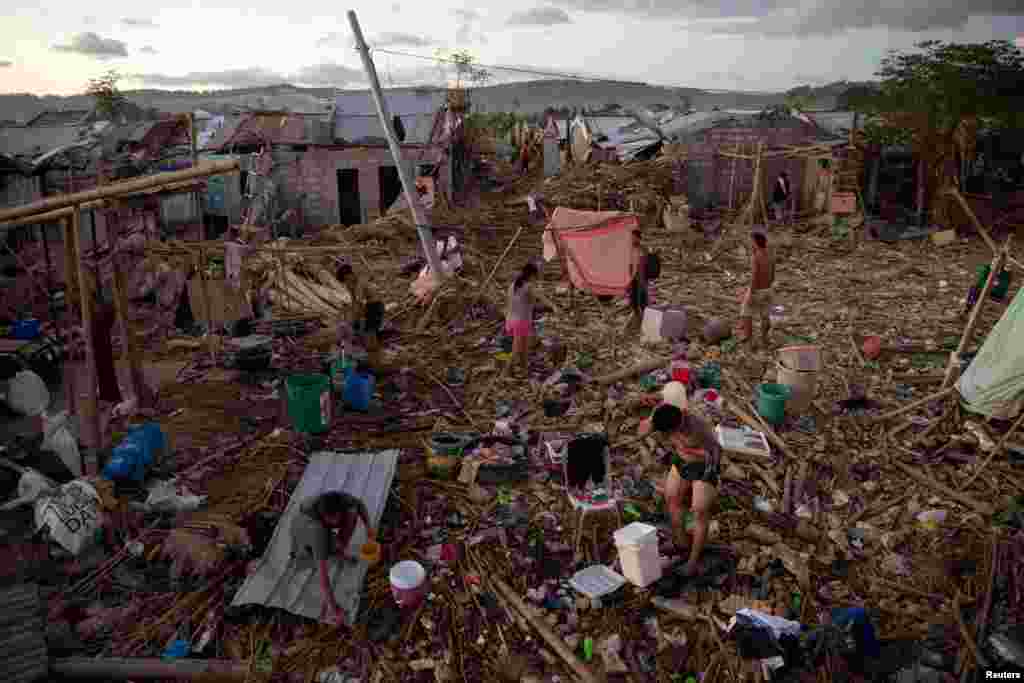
<point>598,246</point>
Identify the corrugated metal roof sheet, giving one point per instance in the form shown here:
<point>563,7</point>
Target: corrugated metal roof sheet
<point>22,634</point>
<point>356,120</point>
<point>59,118</point>
<point>31,142</point>
<point>834,122</point>
<point>272,128</point>
<point>276,581</point>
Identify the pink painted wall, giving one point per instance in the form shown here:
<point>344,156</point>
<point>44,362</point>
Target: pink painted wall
<point>314,172</point>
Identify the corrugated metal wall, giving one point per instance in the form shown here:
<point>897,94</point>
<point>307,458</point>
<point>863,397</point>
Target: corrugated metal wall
<point>23,656</point>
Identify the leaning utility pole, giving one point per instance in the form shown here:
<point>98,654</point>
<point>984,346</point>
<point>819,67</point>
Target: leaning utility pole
<point>426,235</point>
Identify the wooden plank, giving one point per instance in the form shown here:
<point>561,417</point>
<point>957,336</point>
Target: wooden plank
<point>90,413</point>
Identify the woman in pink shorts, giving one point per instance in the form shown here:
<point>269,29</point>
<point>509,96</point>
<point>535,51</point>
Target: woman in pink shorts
<point>519,317</point>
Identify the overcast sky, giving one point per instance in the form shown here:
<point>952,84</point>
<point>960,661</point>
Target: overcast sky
<point>55,46</point>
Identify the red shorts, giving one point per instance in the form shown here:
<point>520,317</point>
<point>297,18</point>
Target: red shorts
<point>519,328</point>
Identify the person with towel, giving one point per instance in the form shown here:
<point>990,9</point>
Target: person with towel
<point>694,461</point>
<point>322,531</point>
<point>519,316</point>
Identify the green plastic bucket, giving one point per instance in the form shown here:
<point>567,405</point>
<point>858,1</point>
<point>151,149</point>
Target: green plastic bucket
<point>309,402</point>
<point>771,402</point>
<point>445,454</point>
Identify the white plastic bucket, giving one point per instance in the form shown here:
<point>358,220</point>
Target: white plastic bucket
<point>408,583</point>
<point>637,544</point>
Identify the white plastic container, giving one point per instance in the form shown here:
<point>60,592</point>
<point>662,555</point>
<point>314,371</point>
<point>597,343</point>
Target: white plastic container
<point>408,583</point>
<point>637,544</point>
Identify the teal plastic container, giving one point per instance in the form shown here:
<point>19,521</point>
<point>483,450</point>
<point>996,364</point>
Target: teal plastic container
<point>771,402</point>
<point>710,376</point>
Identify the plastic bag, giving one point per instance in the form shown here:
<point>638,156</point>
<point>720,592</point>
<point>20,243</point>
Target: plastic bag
<point>72,515</point>
<point>168,495</point>
<point>27,394</point>
<point>59,437</point>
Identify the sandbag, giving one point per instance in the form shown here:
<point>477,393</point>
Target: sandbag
<point>72,515</point>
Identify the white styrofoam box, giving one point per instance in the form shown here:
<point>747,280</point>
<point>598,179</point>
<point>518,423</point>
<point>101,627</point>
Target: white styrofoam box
<point>662,323</point>
<point>636,534</point>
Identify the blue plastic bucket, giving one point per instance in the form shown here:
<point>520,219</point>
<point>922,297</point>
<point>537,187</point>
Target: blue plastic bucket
<point>359,388</point>
<point>29,328</point>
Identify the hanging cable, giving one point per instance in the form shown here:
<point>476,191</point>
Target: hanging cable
<point>514,69</point>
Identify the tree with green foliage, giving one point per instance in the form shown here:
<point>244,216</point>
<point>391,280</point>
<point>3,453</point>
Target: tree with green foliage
<point>930,93</point>
<point>936,98</point>
<point>467,71</point>
<point>109,99</point>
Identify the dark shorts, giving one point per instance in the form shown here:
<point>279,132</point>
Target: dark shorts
<point>695,470</point>
<point>638,297</point>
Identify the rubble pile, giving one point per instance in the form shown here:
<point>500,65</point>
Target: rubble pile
<point>853,517</point>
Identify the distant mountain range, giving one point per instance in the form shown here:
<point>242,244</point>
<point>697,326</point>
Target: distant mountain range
<point>530,97</point>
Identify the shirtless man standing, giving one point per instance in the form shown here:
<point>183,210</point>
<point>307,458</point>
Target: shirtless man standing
<point>758,298</point>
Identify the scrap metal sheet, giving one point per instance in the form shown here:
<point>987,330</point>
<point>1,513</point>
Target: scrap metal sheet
<point>277,582</point>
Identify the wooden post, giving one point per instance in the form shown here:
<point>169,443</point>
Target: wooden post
<point>972,322</point>
<point>425,233</point>
<point>90,415</point>
<point>206,302</point>
<point>129,353</point>
<point>732,176</point>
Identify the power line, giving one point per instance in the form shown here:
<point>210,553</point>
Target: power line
<point>516,69</point>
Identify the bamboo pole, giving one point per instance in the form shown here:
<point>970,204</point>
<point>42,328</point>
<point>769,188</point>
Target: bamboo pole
<point>123,669</point>
<point>912,406</point>
<point>117,189</point>
<point>90,414</point>
<point>129,353</point>
<point>732,178</point>
<point>408,185</point>
<point>60,214</point>
<point>206,302</point>
<point>979,305</point>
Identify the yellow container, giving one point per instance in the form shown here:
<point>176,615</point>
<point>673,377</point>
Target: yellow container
<point>370,552</point>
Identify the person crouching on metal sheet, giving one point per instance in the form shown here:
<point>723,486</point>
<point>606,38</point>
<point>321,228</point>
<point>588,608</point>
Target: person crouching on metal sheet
<point>322,531</point>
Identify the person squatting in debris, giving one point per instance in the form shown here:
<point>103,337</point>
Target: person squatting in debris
<point>757,299</point>
<point>694,460</point>
<point>322,531</point>
<point>367,314</point>
<point>780,196</point>
<point>638,292</point>
<point>519,316</point>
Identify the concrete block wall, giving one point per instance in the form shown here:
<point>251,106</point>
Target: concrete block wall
<point>315,173</point>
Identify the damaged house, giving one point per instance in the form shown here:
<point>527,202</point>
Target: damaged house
<point>310,170</point>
